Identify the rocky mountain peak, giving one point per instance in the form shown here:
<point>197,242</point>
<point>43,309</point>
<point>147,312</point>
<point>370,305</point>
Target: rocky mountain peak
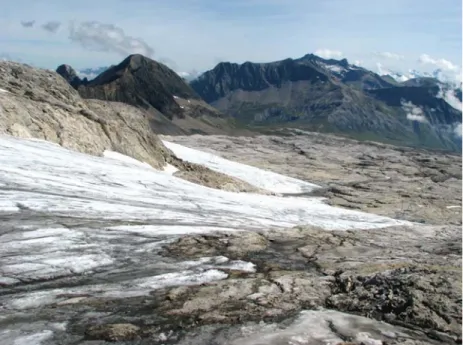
<point>69,74</point>
<point>137,80</point>
<point>66,71</point>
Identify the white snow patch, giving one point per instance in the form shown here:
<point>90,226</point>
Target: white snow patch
<point>170,169</point>
<point>8,281</point>
<point>257,177</point>
<point>335,68</point>
<point>4,91</point>
<point>126,159</point>
<point>366,339</point>
<point>414,113</point>
<point>453,206</point>
<point>52,179</point>
<point>45,254</point>
<point>193,272</point>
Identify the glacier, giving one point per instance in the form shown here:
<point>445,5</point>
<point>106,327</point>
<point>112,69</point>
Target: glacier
<point>100,222</point>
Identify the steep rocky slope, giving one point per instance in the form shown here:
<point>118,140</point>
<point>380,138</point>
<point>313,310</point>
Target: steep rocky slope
<point>40,104</point>
<point>330,96</point>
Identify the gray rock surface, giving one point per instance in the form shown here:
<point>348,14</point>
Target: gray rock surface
<point>407,277</point>
<point>390,286</point>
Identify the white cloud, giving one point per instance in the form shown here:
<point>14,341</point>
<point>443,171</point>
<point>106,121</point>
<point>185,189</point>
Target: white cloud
<point>389,55</point>
<point>458,130</point>
<point>102,37</point>
<point>414,113</point>
<point>440,63</point>
<point>28,24</point>
<point>381,69</point>
<point>450,97</point>
<point>52,26</point>
<point>328,54</point>
<point>189,75</point>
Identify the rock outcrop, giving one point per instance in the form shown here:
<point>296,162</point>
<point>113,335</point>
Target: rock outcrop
<point>41,104</point>
<point>70,75</point>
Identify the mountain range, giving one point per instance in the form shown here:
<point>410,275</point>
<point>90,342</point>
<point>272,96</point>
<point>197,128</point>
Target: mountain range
<point>311,93</point>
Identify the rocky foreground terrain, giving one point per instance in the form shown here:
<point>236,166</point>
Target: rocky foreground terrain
<point>135,260</point>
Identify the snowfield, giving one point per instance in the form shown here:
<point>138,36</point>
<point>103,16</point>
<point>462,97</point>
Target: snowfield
<point>264,179</point>
<point>102,221</point>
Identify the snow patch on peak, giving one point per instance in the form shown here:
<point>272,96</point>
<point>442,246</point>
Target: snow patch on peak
<point>335,68</point>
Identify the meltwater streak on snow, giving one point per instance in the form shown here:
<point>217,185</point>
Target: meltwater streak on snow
<point>257,177</point>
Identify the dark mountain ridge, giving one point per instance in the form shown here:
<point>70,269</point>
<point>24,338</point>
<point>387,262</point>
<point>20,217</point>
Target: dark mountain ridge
<point>334,96</point>
<point>142,82</point>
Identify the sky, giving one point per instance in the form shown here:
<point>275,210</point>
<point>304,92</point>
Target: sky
<point>195,35</point>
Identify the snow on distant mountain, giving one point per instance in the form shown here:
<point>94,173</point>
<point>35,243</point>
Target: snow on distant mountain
<point>438,74</point>
<point>189,76</point>
<point>449,85</point>
<point>91,73</point>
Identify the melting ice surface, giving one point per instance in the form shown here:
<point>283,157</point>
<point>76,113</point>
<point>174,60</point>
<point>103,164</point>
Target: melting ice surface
<point>101,222</point>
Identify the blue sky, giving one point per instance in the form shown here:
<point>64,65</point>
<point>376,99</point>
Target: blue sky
<point>196,34</point>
